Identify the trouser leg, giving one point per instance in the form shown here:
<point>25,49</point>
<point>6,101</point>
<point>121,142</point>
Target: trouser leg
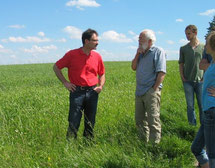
<point>141,118</point>
<point>75,113</point>
<point>90,108</point>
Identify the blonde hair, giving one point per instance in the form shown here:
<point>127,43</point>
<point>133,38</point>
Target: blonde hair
<point>193,28</point>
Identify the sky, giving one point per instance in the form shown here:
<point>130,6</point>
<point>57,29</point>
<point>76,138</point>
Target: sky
<point>42,31</point>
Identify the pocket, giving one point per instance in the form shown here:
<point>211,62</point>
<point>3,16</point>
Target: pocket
<point>151,91</point>
<point>94,91</point>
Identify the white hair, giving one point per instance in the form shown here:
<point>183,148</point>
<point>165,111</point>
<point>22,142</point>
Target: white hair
<point>150,35</point>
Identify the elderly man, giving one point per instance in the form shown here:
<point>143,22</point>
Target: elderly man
<point>150,66</point>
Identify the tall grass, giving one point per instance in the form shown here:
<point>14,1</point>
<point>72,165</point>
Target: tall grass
<point>33,121</point>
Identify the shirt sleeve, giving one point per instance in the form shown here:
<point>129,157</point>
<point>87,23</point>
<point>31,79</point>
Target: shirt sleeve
<point>181,56</point>
<point>101,67</point>
<point>63,62</point>
<point>160,61</point>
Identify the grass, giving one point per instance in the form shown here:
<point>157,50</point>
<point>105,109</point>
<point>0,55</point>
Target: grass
<point>33,121</point>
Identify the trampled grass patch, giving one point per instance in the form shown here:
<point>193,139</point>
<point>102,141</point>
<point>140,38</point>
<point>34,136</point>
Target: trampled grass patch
<point>33,121</point>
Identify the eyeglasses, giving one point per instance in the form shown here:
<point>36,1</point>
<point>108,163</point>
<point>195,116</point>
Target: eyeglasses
<point>94,40</point>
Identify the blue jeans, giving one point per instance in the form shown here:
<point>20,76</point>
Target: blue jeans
<point>82,101</point>
<point>205,137</point>
<point>209,132</point>
<point>190,88</point>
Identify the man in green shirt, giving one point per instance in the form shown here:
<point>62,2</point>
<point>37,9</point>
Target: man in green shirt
<point>191,75</point>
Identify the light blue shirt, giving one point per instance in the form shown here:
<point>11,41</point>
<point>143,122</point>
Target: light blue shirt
<point>148,66</point>
<point>209,81</point>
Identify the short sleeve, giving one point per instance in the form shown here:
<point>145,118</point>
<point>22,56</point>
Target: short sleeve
<point>160,61</point>
<point>63,62</point>
<point>101,67</point>
<point>181,56</point>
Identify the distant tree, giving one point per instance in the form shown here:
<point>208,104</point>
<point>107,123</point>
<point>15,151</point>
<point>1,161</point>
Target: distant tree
<point>212,26</point>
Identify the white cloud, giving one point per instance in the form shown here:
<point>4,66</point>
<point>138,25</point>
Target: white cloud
<point>208,12</point>
<point>159,32</point>
<point>38,49</point>
<point>172,54</point>
<point>170,42</point>
<point>42,34</point>
<point>63,40</point>
<point>179,20</point>
<point>75,33</point>
<point>28,39</point>
<point>13,56</point>
<point>132,47</point>
<point>115,37</point>
<point>4,50</point>
<point>82,3</point>
<point>17,26</point>
<point>183,41</point>
<point>135,36</point>
<point>131,33</point>
<point>110,56</point>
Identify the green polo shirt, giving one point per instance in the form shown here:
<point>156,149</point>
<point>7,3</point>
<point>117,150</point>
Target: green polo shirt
<point>191,59</point>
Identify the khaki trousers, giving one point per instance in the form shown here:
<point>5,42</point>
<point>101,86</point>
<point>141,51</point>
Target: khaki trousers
<point>147,115</point>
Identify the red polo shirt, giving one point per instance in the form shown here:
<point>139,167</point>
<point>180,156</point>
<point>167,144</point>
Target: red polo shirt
<point>83,70</point>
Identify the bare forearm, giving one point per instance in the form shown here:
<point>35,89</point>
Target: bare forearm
<point>134,62</point>
<point>159,80</point>
<point>203,65</point>
<point>59,74</point>
<point>102,80</point>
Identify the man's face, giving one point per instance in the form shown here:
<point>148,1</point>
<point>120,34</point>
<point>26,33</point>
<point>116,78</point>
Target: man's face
<point>93,42</point>
<point>143,41</point>
<point>190,35</point>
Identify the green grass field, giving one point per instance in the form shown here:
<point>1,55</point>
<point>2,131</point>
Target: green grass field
<point>33,122</point>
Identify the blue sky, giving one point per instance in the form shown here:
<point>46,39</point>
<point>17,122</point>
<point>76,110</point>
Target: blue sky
<point>41,31</point>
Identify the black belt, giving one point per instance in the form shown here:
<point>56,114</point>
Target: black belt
<point>85,87</point>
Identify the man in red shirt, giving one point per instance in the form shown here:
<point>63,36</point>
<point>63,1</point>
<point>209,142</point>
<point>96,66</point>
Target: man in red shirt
<point>86,75</point>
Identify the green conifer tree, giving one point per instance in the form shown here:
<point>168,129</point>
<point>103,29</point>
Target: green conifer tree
<point>211,27</point>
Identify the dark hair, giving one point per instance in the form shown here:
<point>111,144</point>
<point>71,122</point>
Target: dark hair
<point>212,40</point>
<point>193,28</point>
<point>88,34</point>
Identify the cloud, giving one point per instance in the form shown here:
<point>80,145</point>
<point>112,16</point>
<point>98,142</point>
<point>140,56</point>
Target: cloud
<point>75,33</point>
<point>4,50</point>
<point>13,56</point>
<point>38,49</point>
<point>110,56</point>
<point>131,33</point>
<point>82,3</point>
<point>159,32</point>
<point>63,40</point>
<point>179,20</point>
<point>17,26</point>
<point>172,54</point>
<point>28,39</point>
<point>132,47</point>
<point>208,12</point>
<point>170,42</point>
<point>183,41</point>
<point>115,37</point>
<point>42,34</point>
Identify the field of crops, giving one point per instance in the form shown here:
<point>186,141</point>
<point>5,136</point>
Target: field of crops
<point>33,122</point>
